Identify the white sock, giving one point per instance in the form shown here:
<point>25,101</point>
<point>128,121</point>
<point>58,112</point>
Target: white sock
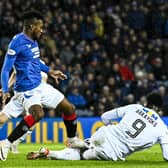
<point>7,142</point>
<point>65,154</point>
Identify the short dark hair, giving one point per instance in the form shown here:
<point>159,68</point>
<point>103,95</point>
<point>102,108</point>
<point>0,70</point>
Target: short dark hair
<point>29,16</point>
<point>154,99</point>
<point>32,14</point>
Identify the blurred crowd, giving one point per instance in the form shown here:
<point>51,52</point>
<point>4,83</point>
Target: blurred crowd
<point>114,52</point>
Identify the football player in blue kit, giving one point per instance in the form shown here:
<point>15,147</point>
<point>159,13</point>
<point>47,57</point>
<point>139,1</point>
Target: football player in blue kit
<point>30,93</point>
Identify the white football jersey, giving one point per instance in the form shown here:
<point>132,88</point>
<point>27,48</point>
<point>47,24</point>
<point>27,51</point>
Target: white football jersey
<point>139,128</point>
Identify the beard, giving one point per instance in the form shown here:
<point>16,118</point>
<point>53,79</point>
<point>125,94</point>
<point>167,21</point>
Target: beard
<point>36,36</point>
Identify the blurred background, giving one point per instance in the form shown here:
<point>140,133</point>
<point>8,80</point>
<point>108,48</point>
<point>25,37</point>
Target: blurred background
<point>114,52</point>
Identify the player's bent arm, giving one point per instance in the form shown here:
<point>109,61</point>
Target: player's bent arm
<point>118,112</point>
<point>10,82</point>
<point>108,116</point>
<point>165,151</point>
<point>12,79</point>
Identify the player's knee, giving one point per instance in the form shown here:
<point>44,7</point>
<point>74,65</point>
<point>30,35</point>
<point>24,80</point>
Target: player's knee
<point>89,154</point>
<point>66,107</point>
<point>37,112</point>
<point>40,115</point>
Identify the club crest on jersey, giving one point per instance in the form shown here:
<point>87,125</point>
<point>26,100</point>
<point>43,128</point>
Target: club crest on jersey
<point>11,52</point>
<point>150,113</point>
<point>28,45</point>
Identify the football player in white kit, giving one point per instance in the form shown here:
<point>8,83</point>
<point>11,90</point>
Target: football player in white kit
<point>140,127</point>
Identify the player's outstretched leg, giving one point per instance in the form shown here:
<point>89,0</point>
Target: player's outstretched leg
<point>70,121</point>
<point>65,154</point>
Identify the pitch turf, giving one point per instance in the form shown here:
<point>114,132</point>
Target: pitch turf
<point>145,159</point>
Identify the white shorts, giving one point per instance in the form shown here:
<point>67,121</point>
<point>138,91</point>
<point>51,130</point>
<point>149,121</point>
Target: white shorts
<point>44,95</point>
<point>106,148</point>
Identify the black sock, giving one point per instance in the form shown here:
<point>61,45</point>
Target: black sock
<point>71,127</point>
<point>21,129</point>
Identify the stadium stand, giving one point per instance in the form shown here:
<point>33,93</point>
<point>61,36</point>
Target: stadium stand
<point>114,53</point>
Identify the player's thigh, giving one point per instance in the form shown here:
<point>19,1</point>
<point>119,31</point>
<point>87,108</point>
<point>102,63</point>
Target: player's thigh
<point>66,107</point>
<point>30,98</point>
<point>13,108</point>
<point>51,97</point>
<point>98,138</point>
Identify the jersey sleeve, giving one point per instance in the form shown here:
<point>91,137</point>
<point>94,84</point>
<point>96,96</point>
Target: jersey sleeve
<point>44,67</point>
<point>108,116</point>
<point>112,114</point>
<point>117,113</point>
<point>10,58</point>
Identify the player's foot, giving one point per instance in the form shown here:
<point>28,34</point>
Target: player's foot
<point>75,143</point>
<point>4,149</point>
<point>42,153</point>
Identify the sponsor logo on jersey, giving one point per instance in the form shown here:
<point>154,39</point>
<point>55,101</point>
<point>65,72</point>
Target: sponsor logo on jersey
<point>11,52</point>
<point>150,113</point>
<point>147,115</point>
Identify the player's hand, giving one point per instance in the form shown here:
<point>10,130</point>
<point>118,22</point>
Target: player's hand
<point>5,98</point>
<point>56,74</point>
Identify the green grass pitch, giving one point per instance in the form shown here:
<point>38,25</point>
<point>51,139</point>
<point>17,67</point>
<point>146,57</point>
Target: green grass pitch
<point>151,158</point>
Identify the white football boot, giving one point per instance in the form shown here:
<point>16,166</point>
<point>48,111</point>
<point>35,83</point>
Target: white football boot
<point>4,149</point>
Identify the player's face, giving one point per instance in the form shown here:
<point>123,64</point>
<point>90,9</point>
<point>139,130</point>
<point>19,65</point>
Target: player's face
<point>37,29</point>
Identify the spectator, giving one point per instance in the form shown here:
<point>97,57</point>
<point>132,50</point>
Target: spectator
<point>117,44</point>
<point>77,99</point>
<point>136,17</point>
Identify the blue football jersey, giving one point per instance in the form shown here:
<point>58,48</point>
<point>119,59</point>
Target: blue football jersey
<point>24,56</point>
